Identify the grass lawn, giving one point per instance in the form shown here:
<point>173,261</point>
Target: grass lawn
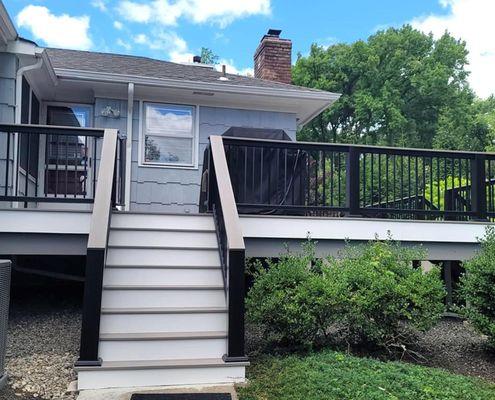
<point>331,375</point>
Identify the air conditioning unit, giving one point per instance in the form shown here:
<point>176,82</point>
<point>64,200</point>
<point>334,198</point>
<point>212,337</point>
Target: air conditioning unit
<point>5,269</point>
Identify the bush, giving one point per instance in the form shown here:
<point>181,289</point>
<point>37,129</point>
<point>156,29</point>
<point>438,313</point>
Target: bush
<point>478,287</point>
<point>381,292</point>
<point>367,294</point>
<point>288,298</point>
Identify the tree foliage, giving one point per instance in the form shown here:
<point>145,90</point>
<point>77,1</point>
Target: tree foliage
<point>401,87</point>
<point>208,56</point>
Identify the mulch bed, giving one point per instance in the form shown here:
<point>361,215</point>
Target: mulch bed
<point>456,347</point>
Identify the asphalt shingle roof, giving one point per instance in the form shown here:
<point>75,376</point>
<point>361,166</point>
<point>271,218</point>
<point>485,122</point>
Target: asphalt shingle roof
<point>148,67</point>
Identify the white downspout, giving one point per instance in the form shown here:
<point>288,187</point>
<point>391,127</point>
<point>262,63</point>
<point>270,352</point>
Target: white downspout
<point>18,106</point>
<point>128,154</point>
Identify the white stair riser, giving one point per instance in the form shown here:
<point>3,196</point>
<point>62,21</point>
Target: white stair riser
<point>163,298</point>
<point>159,377</point>
<point>162,238</point>
<point>176,276</point>
<point>143,323</point>
<point>131,350</point>
<point>157,257</point>
<point>154,221</point>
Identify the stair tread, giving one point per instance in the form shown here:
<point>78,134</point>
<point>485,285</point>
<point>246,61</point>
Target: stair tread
<point>161,247</point>
<point>163,287</point>
<point>162,336</point>
<point>178,229</point>
<point>163,266</point>
<point>164,310</point>
<point>167,363</point>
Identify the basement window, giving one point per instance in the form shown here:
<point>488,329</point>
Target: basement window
<point>169,135</point>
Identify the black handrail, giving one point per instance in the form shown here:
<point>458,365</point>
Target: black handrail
<point>221,203</point>
<point>283,177</point>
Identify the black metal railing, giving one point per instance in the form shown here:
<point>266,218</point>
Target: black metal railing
<point>40,164</point>
<point>282,177</point>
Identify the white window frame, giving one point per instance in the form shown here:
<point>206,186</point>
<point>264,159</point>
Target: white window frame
<point>142,134</point>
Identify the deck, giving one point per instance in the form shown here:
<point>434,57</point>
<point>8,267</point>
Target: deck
<point>260,195</point>
<point>63,232</point>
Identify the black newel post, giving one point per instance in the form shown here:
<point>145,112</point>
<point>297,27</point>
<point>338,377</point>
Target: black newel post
<point>235,352</point>
<point>478,187</point>
<point>352,181</point>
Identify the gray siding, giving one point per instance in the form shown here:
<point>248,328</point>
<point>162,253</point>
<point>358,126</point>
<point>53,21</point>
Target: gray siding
<point>8,70</point>
<point>177,190</point>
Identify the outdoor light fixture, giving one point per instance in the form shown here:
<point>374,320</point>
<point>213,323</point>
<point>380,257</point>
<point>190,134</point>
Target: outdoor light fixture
<point>204,93</point>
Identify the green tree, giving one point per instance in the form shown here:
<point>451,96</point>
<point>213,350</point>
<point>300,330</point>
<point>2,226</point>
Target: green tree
<point>398,88</point>
<point>208,56</point>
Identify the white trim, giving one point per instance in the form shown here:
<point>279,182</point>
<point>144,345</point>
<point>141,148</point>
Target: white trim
<point>195,85</point>
<point>195,139</point>
<point>128,154</point>
<point>7,28</point>
<point>361,229</point>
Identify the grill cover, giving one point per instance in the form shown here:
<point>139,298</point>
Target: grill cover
<point>4,314</point>
<point>272,184</point>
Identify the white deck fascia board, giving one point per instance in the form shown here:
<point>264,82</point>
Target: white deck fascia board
<point>44,221</point>
<point>361,229</point>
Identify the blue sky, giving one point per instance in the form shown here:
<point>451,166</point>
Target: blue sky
<point>177,29</point>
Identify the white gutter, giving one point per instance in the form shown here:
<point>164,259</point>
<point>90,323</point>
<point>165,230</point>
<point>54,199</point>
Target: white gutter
<point>18,105</point>
<point>128,155</point>
<point>195,85</point>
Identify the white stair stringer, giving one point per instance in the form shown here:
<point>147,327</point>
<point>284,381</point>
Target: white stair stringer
<point>164,314</point>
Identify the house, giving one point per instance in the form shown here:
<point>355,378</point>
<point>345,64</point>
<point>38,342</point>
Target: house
<point>113,157</point>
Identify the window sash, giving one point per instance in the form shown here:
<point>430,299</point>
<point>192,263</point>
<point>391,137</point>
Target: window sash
<point>166,132</point>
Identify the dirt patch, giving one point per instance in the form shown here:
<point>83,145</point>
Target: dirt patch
<point>454,345</point>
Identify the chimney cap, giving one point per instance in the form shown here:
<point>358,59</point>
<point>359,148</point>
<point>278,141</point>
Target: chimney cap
<point>197,59</point>
<point>274,32</point>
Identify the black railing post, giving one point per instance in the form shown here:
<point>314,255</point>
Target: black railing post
<point>352,181</point>
<point>90,327</point>
<point>236,266</point>
<point>478,187</point>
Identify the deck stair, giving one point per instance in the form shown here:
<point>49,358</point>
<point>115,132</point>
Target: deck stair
<point>164,313</point>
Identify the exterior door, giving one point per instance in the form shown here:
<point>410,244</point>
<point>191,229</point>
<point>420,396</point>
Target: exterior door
<point>68,159</point>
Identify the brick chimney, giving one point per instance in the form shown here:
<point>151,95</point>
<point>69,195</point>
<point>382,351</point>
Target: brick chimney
<point>272,59</point>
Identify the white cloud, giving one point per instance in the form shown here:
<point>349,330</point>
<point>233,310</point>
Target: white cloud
<point>134,11</point>
<point>118,25</point>
<point>220,12</point>
<point>232,69</point>
<point>55,30</point>
<point>141,38</point>
<point>99,4</point>
<point>168,43</point>
<point>124,44</point>
<point>472,21</point>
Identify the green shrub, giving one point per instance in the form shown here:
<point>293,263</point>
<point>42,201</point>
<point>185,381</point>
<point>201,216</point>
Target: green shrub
<point>289,299</point>
<point>478,287</point>
<point>381,291</point>
<point>367,295</point>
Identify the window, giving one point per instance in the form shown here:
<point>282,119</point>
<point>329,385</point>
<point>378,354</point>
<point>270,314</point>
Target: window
<point>169,135</point>
<point>67,157</point>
